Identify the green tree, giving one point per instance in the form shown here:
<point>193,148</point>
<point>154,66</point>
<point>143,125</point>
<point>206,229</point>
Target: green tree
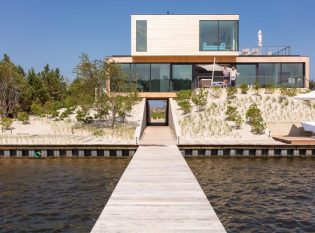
<point>54,83</point>
<point>12,87</point>
<point>38,90</point>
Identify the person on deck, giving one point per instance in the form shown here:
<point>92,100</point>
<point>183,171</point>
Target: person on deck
<point>234,76</point>
<point>226,76</point>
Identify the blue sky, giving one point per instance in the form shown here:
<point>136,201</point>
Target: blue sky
<point>37,32</point>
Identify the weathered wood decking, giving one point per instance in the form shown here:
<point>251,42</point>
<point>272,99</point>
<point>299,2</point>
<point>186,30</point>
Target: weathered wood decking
<point>158,193</point>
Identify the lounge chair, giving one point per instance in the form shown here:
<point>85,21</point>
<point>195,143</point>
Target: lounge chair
<point>309,126</point>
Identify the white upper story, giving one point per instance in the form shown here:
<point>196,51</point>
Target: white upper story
<point>184,35</point>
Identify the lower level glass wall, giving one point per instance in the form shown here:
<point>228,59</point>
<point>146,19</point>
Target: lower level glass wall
<point>181,77</point>
<point>158,77</point>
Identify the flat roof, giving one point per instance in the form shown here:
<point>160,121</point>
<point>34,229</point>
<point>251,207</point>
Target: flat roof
<point>184,14</point>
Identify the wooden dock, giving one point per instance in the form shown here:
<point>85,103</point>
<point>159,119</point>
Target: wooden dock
<point>158,193</point>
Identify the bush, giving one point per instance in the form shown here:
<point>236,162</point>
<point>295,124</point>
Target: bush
<point>183,95</point>
<point>256,87</point>
<point>244,88</point>
<point>84,117</point>
<point>253,116</point>
<point>6,123</point>
<point>231,92</point>
<point>270,89</point>
<point>200,98</point>
<point>23,117</point>
<point>258,126</point>
<point>285,92</point>
<point>37,109</point>
<point>216,91</point>
<point>185,106</point>
<point>252,113</point>
<point>51,108</point>
<point>230,112</point>
<point>233,115</point>
<point>66,113</point>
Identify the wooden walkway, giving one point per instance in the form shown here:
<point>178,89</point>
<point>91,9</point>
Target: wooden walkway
<point>158,193</point>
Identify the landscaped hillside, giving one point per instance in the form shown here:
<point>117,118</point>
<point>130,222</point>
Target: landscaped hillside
<point>211,121</point>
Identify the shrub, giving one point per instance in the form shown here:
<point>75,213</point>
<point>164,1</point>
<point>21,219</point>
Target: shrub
<point>98,133</point>
<point>233,115</point>
<point>230,112</point>
<point>23,117</point>
<point>37,109</point>
<point>231,92</point>
<point>66,113</point>
<point>183,95</point>
<point>270,89</point>
<point>252,113</point>
<point>285,92</point>
<point>200,98</point>
<point>84,117</point>
<point>256,87</point>
<point>51,108</point>
<point>6,123</point>
<point>258,126</point>
<point>244,88</point>
<point>185,106</point>
<point>253,116</point>
<point>216,91</point>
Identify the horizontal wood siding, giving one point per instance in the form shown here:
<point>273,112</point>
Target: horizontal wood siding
<point>174,34</point>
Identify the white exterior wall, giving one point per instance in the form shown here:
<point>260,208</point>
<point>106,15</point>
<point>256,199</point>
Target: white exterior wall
<point>175,35</point>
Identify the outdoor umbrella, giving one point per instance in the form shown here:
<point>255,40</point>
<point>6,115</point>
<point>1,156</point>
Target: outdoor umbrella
<point>214,67</point>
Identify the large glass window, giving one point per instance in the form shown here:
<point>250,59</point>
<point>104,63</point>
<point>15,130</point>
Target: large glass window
<point>208,32</point>
<point>181,77</point>
<point>217,35</point>
<point>292,74</point>
<point>160,77</point>
<point>141,35</point>
<point>228,35</point>
<point>140,76</point>
<point>247,73</point>
<point>268,73</point>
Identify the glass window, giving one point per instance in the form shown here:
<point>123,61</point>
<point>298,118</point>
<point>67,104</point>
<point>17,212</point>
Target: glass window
<point>140,76</point>
<point>141,35</point>
<point>160,77</point>
<point>217,35</point>
<point>125,76</point>
<point>228,35</point>
<point>247,73</point>
<point>268,73</point>
<point>181,77</point>
<point>292,74</point>
<point>208,35</point>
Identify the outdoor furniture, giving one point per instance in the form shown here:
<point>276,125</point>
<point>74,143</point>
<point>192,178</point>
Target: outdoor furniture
<point>213,47</point>
<point>309,126</point>
<point>206,83</point>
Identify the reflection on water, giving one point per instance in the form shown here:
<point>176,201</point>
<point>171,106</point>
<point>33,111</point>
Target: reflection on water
<point>55,195</point>
<point>259,195</point>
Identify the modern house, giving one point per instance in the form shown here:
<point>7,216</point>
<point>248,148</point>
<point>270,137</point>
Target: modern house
<point>175,52</point>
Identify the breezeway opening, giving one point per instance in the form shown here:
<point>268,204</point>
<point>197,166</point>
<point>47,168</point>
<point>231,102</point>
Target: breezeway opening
<point>157,112</point>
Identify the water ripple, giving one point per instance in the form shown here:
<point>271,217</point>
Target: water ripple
<point>55,195</point>
<point>259,195</point>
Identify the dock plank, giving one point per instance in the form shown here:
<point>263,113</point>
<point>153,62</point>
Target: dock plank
<point>158,193</point>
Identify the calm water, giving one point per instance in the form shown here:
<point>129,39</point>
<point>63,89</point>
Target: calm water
<point>259,195</point>
<point>55,195</point>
